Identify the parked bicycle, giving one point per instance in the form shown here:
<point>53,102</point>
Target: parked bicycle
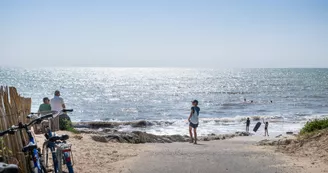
<point>4,167</point>
<point>31,149</point>
<point>61,152</point>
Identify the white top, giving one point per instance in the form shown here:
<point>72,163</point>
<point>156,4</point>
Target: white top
<point>57,103</point>
<point>195,114</point>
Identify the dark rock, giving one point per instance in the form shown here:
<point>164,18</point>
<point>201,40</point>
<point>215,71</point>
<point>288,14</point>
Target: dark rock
<point>141,124</point>
<point>265,142</point>
<point>242,134</point>
<point>285,142</point>
<point>177,138</point>
<point>99,138</point>
<point>279,136</point>
<point>274,143</point>
<point>136,137</point>
<point>206,139</point>
<point>97,125</point>
<point>289,133</point>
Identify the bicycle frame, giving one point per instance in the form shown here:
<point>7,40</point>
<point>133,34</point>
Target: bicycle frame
<point>64,151</point>
<point>58,152</point>
<point>34,155</point>
<point>51,146</point>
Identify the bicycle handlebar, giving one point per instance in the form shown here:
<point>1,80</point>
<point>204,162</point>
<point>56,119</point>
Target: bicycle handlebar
<point>38,120</point>
<point>5,132</point>
<point>67,110</point>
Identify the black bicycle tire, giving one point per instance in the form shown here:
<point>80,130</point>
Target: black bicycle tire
<point>45,154</point>
<point>43,169</point>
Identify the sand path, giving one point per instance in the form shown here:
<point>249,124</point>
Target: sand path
<point>238,155</point>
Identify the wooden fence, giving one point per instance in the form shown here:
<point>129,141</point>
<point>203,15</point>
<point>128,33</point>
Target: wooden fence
<point>13,109</point>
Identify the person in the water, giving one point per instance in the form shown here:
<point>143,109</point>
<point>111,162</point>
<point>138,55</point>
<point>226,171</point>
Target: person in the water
<point>266,126</point>
<point>248,122</point>
<point>193,121</point>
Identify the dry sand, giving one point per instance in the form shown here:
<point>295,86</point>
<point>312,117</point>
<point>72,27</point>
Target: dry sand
<point>237,155</point>
<point>97,157</point>
<point>313,146</point>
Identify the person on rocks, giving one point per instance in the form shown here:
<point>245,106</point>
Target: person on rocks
<point>193,121</point>
<point>57,104</point>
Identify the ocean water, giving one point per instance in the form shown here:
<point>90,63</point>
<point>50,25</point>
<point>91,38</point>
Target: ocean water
<point>163,96</point>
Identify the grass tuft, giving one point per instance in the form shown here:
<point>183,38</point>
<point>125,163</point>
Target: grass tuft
<point>315,125</point>
<point>68,126</point>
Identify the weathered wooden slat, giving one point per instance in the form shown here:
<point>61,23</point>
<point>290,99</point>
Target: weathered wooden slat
<point>13,109</point>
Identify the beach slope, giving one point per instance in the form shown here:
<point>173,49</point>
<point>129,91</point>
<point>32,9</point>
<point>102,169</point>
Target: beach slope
<point>237,155</point>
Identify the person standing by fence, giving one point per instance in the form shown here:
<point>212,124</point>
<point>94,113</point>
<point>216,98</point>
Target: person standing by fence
<point>57,104</point>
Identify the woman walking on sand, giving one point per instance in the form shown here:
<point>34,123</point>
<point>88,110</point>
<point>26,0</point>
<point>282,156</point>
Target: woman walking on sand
<point>193,121</point>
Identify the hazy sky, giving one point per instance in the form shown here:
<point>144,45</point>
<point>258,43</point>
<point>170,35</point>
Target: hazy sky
<point>166,33</point>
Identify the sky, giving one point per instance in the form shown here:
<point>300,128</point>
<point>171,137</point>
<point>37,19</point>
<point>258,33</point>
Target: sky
<point>164,33</point>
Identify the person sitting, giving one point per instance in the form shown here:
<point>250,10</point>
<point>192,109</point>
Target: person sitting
<point>45,107</point>
<point>57,104</point>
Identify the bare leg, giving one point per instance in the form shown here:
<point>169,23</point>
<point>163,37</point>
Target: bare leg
<point>195,134</point>
<point>190,133</point>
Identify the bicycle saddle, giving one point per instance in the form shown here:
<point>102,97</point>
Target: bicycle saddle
<point>29,147</point>
<point>8,168</point>
<point>56,138</point>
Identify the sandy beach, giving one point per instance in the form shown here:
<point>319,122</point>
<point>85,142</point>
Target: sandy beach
<point>239,154</point>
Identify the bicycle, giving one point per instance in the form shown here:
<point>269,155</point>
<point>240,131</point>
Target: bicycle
<point>31,149</point>
<point>4,167</point>
<point>60,150</point>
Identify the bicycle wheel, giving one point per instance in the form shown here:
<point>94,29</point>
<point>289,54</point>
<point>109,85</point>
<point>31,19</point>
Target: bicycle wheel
<point>69,164</point>
<point>43,169</point>
<point>45,155</point>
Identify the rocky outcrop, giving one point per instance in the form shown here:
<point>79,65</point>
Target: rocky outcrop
<point>102,124</point>
<point>276,142</point>
<point>137,137</point>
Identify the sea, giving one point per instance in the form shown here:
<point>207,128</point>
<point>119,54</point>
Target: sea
<point>162,96</point>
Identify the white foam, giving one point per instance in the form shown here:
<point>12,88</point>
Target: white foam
<point>181,127</point>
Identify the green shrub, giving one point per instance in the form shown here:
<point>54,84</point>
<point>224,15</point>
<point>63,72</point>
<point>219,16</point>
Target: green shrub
<point>68,126</point>
<point>317,124</point>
